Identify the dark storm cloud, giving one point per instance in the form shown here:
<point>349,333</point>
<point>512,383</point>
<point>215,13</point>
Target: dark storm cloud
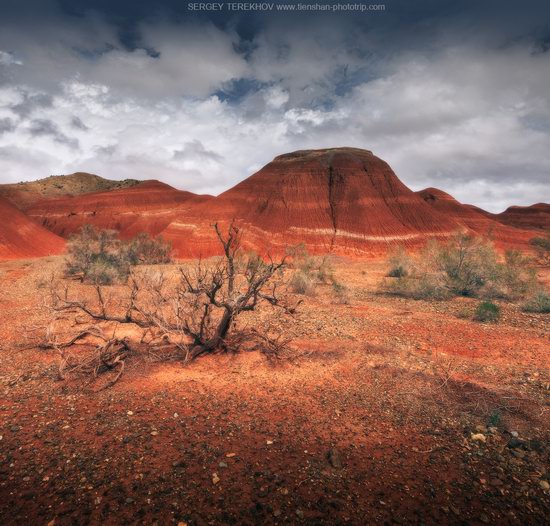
<point>195,150</point>
<point>77,123</point>
<point>6,125</point>
<point>42,127</point>
<point>30,102</point>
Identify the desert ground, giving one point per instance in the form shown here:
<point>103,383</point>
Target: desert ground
<point>386,411</point>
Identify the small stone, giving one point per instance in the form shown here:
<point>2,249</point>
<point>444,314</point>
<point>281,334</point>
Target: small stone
<point>269,442</point>
<point>515,434</point>
<point>15,429</point>
<point>518,453</point>
<point>484,518</point>
<point>514,443</point>
<point>154,433</point>
<point>230,455</point>
<point>215,478</point>
<point>481,429</point>
<point>478,437</point>
<point>129,500</point>
<point>544,485</point>
<point>182,523</point>
<point>129,413</point>
<point>277,513</point>
<point>300,514</point>
<point>493,430</point>
<point>222,465</point>
<point>334,459</point>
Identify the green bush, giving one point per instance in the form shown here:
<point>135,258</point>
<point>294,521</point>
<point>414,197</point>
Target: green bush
<point>463,266</point>
<point>341,292</point>
<point>98,256</point>
<point>467,263</point>
<point>146,250</point>
<point>309,270</point>
<point>514,278</point>
<point>487,311</point>
<point>542,246</point>
<point>418,287</point>
<point>539,303</point>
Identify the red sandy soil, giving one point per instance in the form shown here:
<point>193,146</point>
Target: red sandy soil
<point>147,207</point>
<point>21,237</point>
<point>369,421</point>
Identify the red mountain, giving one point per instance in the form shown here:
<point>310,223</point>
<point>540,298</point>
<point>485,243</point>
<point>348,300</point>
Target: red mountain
<point>534,217</point>
<point>146,207</point>
<point>21,237</point>
<point>342,199</point>
<point>474,218</point>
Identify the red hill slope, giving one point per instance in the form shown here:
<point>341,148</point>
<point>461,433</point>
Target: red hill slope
<point>20,237</point>
<point>342,199</point>
<point>475,219</point>
<point>534,217</point>
<point>147,207</point>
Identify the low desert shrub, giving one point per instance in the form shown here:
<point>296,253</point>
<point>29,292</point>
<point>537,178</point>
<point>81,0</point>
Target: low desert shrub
<point>514,278</point>
<point>418,287</point>
<point>542,246</point>
<point>341,292</point>
<point>467,263</point>
<point>463,266</point>
<point>145,250</point>
<point>464,313</point>
<point>399,263</point>
<point>308,270</point>
<point>100,257</point>
<point>302,283</point>
<point>487,311</point>
<point>539,302</point>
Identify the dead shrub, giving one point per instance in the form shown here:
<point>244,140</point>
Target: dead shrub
<point>193,312</point>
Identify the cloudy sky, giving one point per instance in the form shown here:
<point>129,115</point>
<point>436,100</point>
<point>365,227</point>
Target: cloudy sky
<point>452,94</point>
